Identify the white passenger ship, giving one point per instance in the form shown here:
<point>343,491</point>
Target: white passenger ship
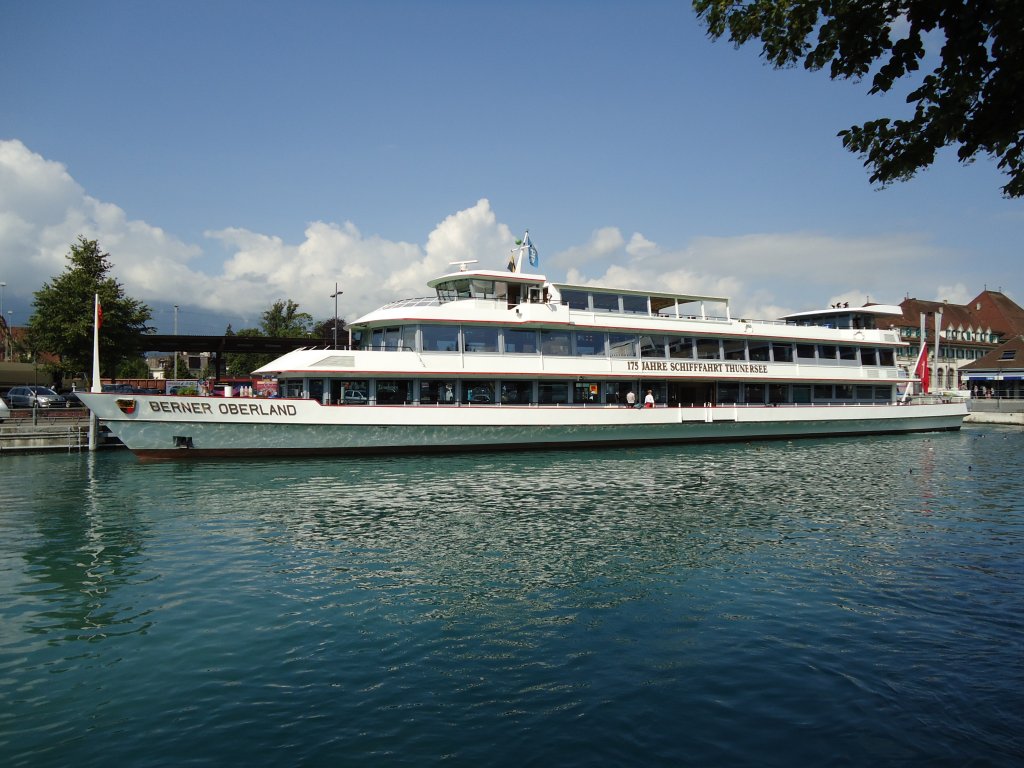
<point>510,360</point>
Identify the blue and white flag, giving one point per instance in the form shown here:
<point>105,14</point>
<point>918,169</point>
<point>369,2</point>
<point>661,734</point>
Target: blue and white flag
<point>531,250</point>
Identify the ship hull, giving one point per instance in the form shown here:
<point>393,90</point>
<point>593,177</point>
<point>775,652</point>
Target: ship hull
<point>169,427</point>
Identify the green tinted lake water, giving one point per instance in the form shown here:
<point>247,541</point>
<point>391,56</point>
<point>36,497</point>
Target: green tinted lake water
<point>843,602</point>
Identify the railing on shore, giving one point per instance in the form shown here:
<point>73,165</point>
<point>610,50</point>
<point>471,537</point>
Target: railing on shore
<point>49,416</point>
<point>997,404</point>
<point>48,429</point>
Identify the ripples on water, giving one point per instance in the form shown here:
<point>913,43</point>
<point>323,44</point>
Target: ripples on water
<point>805,603</point>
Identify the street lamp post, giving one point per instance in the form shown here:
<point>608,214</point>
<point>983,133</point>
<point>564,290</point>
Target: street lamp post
<point>175,334</point>
<point>2,286</point>
<point>335,296</point>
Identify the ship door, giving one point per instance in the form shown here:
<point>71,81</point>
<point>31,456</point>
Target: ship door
<point>335,391</point>
<point>513,295</point>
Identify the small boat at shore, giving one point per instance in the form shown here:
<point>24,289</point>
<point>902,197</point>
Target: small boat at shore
<point>506,359</point>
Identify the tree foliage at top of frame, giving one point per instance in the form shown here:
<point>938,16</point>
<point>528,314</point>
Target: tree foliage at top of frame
<point>971,100</point>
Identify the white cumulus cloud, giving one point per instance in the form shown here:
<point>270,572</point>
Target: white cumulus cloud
<point>43,210</point>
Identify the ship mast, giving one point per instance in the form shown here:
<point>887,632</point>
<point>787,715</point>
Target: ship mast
<point>524,246</point>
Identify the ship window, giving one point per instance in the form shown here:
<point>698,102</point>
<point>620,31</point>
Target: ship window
<point>735,349</point>
<point>589,343</point>
<point>552,392</point>
<point>622,344</point>
<point>652,346</point>
<point>481,289</point>
<point>433,391</point>
<point>440,338</point>
<point>883,393</point>
<point>575,299</point>
<point>480,339</point>
<point>868,356</point>
<point>516,392</point>
<point>519,341</point>
<point>782,353</point>
<point>394,392</point>
<point>392,338</point>
<point>355,392</point>
<point>778,393</point>
<point>885,357</point>
<point>606,302</point>
<point>409,337</point>
<point>844,391</point>
<point>805,351</point>
<point>864,392</point>
<point>801,393</point>
<point>759,350</point>
<point>635,304</point>
<point>708,349</point>
<point>554,342</point>
<point>658,389</point>
<point>827,352</point>
<point>586,392</point>
<point>378,339</point>
<point>755,393</point>
<point>847,353</point>
<point>453,289</point>
<point>728,392</point>
<point>822,391</point>
<point>478,392</point>
<point>316,390</point>
<point>291,387</point>
<point>680,346</point>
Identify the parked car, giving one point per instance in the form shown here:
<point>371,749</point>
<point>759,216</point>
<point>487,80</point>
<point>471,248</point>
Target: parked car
<point>354,397</point>
<point>74,401</point>
<point>122,389</point>
<point>5,412</point>
<point>28,397</point>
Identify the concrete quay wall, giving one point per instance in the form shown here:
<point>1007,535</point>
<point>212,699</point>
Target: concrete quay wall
<point>996,410</point>
<point>57,430</point>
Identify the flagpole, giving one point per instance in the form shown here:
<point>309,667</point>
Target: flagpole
<point>924,351</point>
<point>96,385</point>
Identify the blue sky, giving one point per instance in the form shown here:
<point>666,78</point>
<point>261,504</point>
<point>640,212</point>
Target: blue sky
<point>229,154</point>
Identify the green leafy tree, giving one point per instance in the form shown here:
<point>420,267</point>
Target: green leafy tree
<point>973,99</point>
<point>62,315</point>
<point>324,332</point>
<point>133,368</point>
<point>282,320</point>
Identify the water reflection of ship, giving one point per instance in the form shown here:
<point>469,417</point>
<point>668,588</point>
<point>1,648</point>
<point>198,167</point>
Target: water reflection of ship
<point>510,529</point>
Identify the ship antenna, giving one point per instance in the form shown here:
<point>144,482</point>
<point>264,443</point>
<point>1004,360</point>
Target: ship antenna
<point>462,264</point>
<point>515,259</point>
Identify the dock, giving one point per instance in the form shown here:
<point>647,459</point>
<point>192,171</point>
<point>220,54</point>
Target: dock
<point>44,429</point>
